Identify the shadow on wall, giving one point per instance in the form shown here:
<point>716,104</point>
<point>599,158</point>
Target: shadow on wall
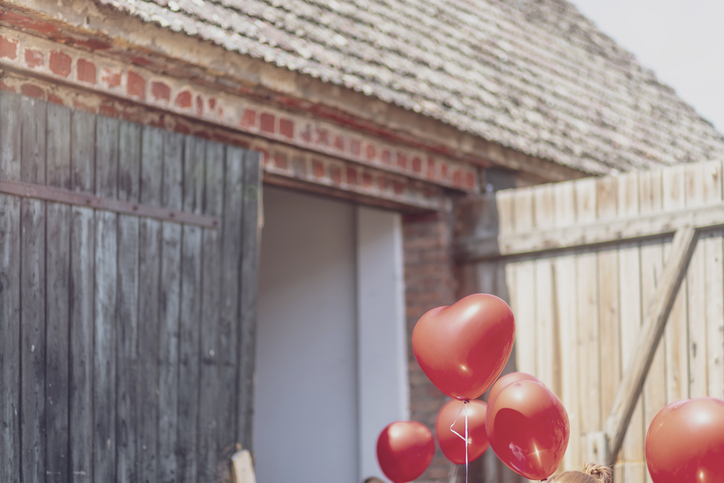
<point>477,216</point>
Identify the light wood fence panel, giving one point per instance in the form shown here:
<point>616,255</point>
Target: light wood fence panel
<point>579,310</point>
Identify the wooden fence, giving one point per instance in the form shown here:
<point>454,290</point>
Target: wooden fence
<point>128,278</point>
<point>582,264</point>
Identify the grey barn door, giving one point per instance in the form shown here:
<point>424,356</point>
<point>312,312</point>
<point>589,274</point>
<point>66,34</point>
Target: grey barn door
<point>126,331</point>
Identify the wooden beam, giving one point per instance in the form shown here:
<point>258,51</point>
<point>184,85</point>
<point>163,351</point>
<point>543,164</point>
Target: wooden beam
<point>599,233</point>
<point>648,340</point>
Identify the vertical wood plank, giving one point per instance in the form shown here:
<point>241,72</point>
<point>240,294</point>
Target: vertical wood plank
<point>10,149</point>
<point>82,256</point>
<point>230,309</point>
<point>652,265</point>
<point>106,281</point>
<point>190,321</point>
<point>677,338</point>
<point>58,297</point>
<point>211,301</point>
<point>714,264</point>
<point>564,285</point>
<point>148,305</point>
<point>127,416</point>
<point>524,293</point>
<point>171,194</point>
<point>608,298</point>
<point>696,195</point>
<point>589,333</point>
<point>32,292</point>
<point>547,360</point>
<point>629,285</point>
<point>249,296</point>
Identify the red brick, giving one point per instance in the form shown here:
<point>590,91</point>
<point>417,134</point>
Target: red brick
<point>443,171</point>
<point>248,118</point>
<point>31,90</point>
<point>339,143</point>
<point>398,186</point>
<point>160,91</point>
<point>401,161</point>
<point>59,63</point>
<point>470,180</point>
<point>351,175</point>
<point>54,99</point>
<point>335,173</point>
<point>386,156</point>
<point>136,85</point>
<point>366,180</point>
<point>266,122</point>
<point>183,99</point>
<point>108,110</point>
<point>212,103</point>
<point>322,137</point>
<point>416,165</point>
<point>5,87</point>
<point>8,48</point>
<point>430,168</point>
<point>371,151</point>
<point>355,147</point>
<point>182,128</point>
<point>286,127</point>
<point>318,168</point>
<point>33,58</point>
<point>111,78</point>
<point>306,133</point>
<point>199,106</point>
<point>86,71</point>
<point>457,178</point>
<point>382,183</point>
<point>280,160</point>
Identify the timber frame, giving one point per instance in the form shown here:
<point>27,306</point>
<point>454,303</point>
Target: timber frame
<point>603,447</point>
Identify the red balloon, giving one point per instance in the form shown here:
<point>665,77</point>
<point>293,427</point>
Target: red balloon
<point>452,446</point>
<point>685,442</point>
<point>463,348</point>
<point>528,429</point>
<point>509,379</point>
<point>405,450</point>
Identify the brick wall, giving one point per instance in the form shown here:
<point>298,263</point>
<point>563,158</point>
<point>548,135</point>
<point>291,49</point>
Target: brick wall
<point>430,281</point>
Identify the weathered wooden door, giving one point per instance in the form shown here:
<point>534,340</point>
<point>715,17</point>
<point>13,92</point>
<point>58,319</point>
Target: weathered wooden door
<point>127,311</point>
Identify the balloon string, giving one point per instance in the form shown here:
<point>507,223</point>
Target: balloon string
<point>464,438</point>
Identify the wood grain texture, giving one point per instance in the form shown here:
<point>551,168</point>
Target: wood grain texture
<point>190,322</point>
<point>677,354</point>
<point>10,150</point>
<point>149,306</point>
<point>57,324</point>
<point>106,280</point>
<point>82,256</point>
<point>652,264</point>
<point>567,341</point>
<point>714,263</point>
<point>168,336</point>
<point>249,297</point>
<point>547,361</point>
<point>524,293</point>
<point>588,316</point>
<point>208,444</point>
<point>651,332</point>
<point>33,115</point>
<point>629,286</point>
<point>127,325</point>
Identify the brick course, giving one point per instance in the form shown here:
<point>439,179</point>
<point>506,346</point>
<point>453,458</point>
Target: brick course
<point>429,282</point>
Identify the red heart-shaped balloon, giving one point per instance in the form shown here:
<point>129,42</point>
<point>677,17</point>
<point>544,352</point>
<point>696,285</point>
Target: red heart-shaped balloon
<point>528,429</point>
<point>463,348</point>
<point>685,442</point>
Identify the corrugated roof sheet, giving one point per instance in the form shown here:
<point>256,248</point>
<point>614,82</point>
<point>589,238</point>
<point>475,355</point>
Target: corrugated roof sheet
<point>533,75</point>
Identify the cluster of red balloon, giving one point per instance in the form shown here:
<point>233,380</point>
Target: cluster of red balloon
<point>463,349</point>
<point>685,442</point>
